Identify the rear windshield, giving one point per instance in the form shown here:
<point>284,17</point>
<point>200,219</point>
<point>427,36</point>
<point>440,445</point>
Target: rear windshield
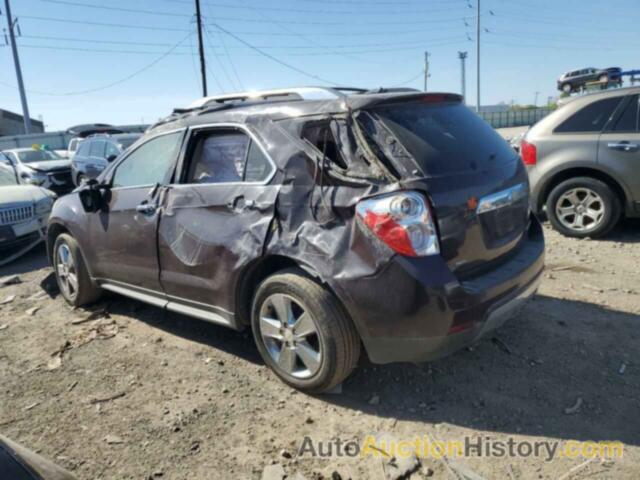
<point>446,138</point>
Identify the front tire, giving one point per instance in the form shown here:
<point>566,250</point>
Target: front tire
<point>303,333</point>
<point>72,276</point>
<point>567,88</point>
<point>583,207</point>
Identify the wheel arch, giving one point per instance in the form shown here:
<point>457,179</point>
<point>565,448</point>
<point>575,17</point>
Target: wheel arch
<point>256,272</point>
<point>54,230</point>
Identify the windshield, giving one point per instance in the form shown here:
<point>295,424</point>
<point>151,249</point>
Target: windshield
<point>445,138</point>
<point>7,177</point>
<point>30,156</point>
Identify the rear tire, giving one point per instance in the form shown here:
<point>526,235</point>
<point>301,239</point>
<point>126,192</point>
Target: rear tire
<point>583,207</point>
<point>72,276</point>
<point>321,359</point>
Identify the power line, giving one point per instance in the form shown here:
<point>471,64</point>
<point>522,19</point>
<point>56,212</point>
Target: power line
<point>212,47</point>
<point>103,24</point>
<point>251,20</point>
<point>226,51</point>
<point>116,82</point>
<point>361,12</point>
<point>134,26</point>
<point>271,57</point>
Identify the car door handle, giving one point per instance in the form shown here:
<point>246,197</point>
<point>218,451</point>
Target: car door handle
<point>623,146</point>
<point>146,209</point>
<point>240,203</point>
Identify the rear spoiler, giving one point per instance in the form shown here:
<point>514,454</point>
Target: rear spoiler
<point>359,102</point>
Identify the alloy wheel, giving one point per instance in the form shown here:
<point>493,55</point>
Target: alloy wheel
<point>66,270</point>
<point>580,209</point>
<point>290,336</point>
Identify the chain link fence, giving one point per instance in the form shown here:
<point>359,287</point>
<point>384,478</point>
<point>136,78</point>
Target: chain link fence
<point>515,118</point>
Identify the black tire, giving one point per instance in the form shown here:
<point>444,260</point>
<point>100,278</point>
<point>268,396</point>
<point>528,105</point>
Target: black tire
<point>567,88</point>
<point>610,204</point>
<point>87,291</point>
<point>336,335</point>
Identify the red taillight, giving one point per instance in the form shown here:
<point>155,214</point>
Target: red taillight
<point>529,153</point>
<point>403,221</point>
<point>387,230</point>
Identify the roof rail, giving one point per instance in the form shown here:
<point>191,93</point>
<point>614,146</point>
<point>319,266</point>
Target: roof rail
<point>296,93</point>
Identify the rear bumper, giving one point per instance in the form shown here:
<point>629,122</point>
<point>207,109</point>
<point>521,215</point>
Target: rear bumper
<point>417,310</point>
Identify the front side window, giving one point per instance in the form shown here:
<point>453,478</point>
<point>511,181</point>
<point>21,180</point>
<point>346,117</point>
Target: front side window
<point>150,163</point>
<point>225,157</point>
<point>591,118</point>
<point>628,121</point>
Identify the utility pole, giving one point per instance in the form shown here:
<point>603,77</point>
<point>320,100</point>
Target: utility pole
<point>16,61</point>
<point>426,69</point>
<point>535,99</point>
<point>203,70</point>
<point>463,74</point>
<point>478,56</point>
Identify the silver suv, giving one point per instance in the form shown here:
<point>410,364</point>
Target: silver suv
<point>584,162</point>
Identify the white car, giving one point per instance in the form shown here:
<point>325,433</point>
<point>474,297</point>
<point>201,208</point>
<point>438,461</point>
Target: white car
<point>40,167</point>
<point>24,212</point>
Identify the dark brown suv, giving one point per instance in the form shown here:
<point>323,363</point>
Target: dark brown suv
<point>325,219</point>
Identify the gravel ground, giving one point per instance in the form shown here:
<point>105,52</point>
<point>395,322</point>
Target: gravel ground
<point>140,393</point>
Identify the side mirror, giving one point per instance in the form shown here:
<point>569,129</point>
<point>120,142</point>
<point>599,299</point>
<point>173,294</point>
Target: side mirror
<point>111,158</point>
<point>91,196</point>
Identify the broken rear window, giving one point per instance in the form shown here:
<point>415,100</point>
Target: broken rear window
<point>445,138</point>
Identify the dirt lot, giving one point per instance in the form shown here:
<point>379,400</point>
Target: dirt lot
<point>141,393</point>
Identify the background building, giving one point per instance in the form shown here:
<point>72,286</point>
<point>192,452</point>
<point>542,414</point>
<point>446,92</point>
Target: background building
<point>13,124</point>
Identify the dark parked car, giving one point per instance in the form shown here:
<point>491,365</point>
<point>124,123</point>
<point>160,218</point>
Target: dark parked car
<point>324,219</point>
<point>584,162</point>
<point>95,152</point>
<point>577,79</point>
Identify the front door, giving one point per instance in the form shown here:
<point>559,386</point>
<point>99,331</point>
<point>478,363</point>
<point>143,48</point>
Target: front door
<point>123,235</point>
<point>619,146</point>
<point>215,220</point>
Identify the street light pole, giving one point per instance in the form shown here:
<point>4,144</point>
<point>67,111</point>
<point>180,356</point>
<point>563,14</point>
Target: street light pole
<point>478,56</point>
<point>16,62</point>
<point>463,74</point>
<point>426,69</point>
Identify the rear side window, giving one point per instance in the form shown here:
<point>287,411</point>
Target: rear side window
<point>97,148</point>
<point>591,118</point>
<point>628,121</point>
<point>227,156</point>
<point>446,138</point>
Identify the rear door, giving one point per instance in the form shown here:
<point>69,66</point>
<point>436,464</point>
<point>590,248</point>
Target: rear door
<point>619,145</point>
<point>123,235</point>
<point>215,219</point>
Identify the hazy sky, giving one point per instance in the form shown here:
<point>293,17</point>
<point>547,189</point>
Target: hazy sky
<point>136,60</point>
